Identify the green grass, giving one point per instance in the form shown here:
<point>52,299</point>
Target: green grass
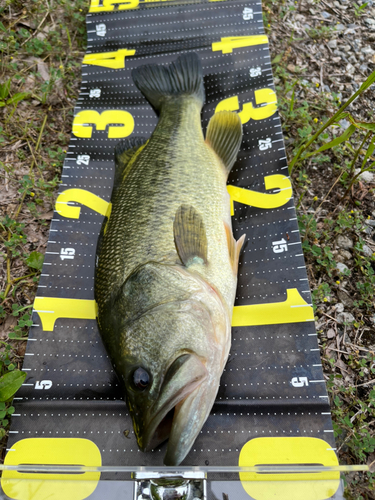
<point>41,52</point>
<point>326,162</point>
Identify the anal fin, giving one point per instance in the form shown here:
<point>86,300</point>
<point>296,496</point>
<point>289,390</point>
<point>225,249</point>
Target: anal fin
<point>190,236</point>
<point>234,247</point>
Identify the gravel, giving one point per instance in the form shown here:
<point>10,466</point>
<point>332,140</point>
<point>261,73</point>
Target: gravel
<point>344,242</point>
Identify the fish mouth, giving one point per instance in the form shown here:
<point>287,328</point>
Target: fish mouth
<point>183,379</point>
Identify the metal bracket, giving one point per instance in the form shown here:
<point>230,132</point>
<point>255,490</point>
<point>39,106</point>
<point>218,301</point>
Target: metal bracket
<point>170,486</point>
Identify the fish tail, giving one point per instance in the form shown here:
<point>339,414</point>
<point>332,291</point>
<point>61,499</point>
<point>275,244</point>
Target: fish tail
<point>181,78</point>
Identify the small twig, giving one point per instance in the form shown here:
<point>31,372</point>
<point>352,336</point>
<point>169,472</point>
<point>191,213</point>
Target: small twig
<point>326,196</point>
<point>328,316</point>
<point>357,153</point>
<point>345,440</point>
<point>337,350</point>
<point>9,280</point>
<point>321,78</point>
<point>365,383</point>
<point>36,31</point>
<point>34,64</point>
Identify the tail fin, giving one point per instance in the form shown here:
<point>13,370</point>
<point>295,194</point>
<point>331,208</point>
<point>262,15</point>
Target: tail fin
<point>183,77</point>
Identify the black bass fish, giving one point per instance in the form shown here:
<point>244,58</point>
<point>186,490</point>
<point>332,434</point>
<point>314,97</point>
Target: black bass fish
<point>167,261</point>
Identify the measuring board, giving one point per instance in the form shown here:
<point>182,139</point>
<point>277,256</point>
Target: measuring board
<point>272,402</point>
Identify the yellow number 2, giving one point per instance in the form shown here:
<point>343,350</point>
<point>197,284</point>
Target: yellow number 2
<point>83,121</point>
<point>263,200</point>
<point>84,197</point>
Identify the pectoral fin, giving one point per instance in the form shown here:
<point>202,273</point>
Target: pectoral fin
<point>224,135</point>
<point>234,247</point>
<point>190,236</point>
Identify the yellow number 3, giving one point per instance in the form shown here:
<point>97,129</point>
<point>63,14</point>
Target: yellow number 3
<point>83,121</point>
<point>264,97</point>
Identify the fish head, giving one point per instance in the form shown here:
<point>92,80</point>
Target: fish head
<point>173,347</point>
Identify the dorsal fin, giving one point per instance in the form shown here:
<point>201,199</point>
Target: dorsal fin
<point>234,247</point>
<point>190,236</point>
<point>224,135</point>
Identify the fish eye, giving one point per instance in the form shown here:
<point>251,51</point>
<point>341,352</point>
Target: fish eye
<point>141,379</point>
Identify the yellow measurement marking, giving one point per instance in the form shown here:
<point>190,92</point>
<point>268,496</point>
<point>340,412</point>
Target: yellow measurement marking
<point>264,98</point>
<point>289,451</point>
<point>227,44</point>
<point>263,200</point>
<point>293,310</point>
<point>113,60</point>
<point>83,123</point>
<point>52,308</point>
<point>85,198</point>
<point>51,486</point>
<point>109,5</point>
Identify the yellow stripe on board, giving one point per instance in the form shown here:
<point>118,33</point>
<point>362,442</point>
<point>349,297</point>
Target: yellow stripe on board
<point>111,5</point>
<point>227,44</point>
<point>289,451</point>
<point>51,486</point>
<point>52,308</point>
<point>293,310</point>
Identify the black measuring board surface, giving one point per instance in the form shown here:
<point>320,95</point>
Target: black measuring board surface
<point>273,385</point>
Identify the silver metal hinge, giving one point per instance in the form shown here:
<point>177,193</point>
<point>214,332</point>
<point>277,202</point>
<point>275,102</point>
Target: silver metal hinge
<point>170,486</point>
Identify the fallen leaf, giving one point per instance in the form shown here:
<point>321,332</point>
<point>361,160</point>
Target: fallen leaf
<point>331,333</point>
<point>43,70</point>
<point>6,328</point>
<point>47,215</point>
